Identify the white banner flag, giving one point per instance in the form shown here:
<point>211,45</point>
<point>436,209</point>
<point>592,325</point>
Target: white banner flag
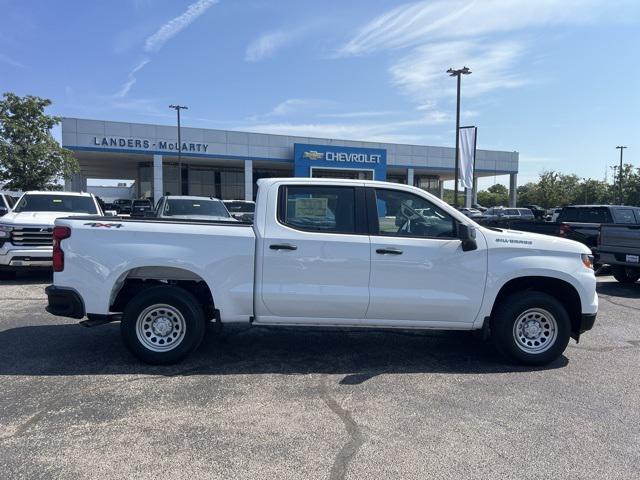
<point>467,155</point>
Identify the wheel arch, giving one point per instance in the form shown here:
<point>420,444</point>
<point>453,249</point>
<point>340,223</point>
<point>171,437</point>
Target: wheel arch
<point>135,280</point>
<point>557,288</point>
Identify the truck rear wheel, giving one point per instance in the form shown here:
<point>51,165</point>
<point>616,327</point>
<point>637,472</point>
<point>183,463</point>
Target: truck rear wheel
<point>531,328</point>
<point>162,325</point>
<point>625,275</point>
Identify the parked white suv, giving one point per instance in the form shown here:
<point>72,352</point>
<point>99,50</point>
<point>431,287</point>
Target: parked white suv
<point>26,232</point>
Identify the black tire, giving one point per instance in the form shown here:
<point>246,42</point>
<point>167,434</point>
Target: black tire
<point>176,309</point>
<point>547,341</point>
<point>625,275</point>
<point>7,274</point>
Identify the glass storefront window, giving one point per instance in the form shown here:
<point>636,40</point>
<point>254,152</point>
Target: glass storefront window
<point>430,183</point>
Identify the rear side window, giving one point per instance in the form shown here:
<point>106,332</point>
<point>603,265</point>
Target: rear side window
<point>511,211</point>
<point>595,215</point>
<point>623,215</point>
<point>318,209</point>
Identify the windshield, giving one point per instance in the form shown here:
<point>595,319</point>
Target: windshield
<point>237,207</point>
<point>212,208</point>
<point>122,202</point>
<point>56,203</point>
<point>141,203</point>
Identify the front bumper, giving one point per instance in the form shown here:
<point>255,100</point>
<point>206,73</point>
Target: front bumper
<point>64,302</point>
<point>19,258</point>
<point>587,320</point>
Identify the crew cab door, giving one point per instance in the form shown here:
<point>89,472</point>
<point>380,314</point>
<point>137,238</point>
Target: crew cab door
<point>419,271</point>
<point>315,255</point>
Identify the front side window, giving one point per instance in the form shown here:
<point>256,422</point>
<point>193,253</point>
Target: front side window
<point>56,203</point>
<point>407,215</point>
<point>318,208</point>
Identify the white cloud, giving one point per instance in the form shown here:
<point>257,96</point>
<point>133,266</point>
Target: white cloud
<point>413,24</point>
<point>131,79</point>
<point>10,61</point>
<point>421,73</point>
<point>174,26</point>
<point>265,45</point>
<point>365,114</point>
<point>401,131</point>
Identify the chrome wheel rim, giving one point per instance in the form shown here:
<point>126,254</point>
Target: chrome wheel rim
<point>160,328</point>
<point>535,330</point>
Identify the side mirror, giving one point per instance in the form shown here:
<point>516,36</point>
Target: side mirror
<point>3,211</point>
<point>467,235</point>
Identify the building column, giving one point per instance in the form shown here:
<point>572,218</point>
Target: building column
<point>410,180</point>
<point>248,179</point>
<point>441,189</point>
<point>158,182</point>
<point>513,185</point>
<point>468,197</point>
<point>77,183</point>
<point>474,199</point>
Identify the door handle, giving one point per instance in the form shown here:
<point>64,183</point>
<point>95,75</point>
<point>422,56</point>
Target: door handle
<point>282,246</point>
<point>389,251</point>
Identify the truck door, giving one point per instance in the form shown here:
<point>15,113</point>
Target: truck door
<point>316,256</point>
<point>419,271</point>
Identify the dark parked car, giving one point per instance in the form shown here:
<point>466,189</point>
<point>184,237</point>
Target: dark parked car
<point>122,206</point>
<point>619,246</point>
<point>242,210</point>
<point>141,208</point>
<point>538,211</point>
<point>496,215</point>
<point>6,203</point>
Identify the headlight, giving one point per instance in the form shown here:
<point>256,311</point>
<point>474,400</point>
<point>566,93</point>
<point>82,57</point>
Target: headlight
<point>587,260</point>
<point>5,231</point>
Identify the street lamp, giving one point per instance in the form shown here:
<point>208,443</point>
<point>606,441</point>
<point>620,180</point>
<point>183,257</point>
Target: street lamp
<point>457,73</point>
<point>177,108</point>
<point>621,147</point>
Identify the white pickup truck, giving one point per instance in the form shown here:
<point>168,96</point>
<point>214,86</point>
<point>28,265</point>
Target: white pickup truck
<point>26,231</point>
<point>324,252</point>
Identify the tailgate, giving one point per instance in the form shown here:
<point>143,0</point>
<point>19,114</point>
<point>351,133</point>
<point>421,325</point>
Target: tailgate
<point>625,236</point>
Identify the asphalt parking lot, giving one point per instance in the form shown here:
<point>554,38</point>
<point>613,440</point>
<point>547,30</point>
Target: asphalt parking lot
<point>259,403</point>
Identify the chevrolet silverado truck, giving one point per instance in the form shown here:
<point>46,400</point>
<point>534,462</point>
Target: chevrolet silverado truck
<point>26,232</point>
<point>619,247</point>
<point>324,252</point>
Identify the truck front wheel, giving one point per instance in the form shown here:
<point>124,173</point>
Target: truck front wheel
<point>625,275</point>
<point>162,325</point>
<point>531,328</point>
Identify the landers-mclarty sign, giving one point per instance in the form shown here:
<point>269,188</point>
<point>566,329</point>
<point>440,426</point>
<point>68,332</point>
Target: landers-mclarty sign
<point>144,144</point>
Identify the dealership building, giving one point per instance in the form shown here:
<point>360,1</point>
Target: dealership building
<point>227,163</point>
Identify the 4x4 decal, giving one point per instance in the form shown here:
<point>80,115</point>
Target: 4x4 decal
<point>104,225</point>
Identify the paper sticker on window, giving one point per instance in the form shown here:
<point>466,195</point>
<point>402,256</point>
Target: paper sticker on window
<point>196,204</point>
<point>57,200</point>
<point>311,207</point>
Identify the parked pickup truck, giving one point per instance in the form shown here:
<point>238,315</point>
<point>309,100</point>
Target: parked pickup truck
<point>324,252</point>
<point>26,239</point>
<point>619,246</point>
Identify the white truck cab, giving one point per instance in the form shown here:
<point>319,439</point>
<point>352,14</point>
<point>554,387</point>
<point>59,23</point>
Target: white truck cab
<point>325,252</point>
<point>26,231</point>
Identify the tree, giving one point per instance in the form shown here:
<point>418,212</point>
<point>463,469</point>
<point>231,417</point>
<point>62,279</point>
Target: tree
<point>30,159</point>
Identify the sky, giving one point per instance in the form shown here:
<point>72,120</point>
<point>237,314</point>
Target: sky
<point>556,80</point>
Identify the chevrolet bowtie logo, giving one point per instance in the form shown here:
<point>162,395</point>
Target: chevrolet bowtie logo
<point>313,155</point>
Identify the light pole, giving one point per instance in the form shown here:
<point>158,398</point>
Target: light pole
<point>621,147</point>
<point>584,182</point>
<point>457,73</point>
<point>177,108</point>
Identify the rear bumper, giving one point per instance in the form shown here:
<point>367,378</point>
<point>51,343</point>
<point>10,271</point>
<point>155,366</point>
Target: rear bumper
<point>64,302</point>
<point>617,258</point>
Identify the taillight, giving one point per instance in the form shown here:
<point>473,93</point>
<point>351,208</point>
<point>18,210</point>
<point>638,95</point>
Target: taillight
<point>564,229</point>
<point>59,234</point>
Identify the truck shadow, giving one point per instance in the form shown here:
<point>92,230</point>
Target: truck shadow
<point>69,349</point>
<point>615,289</point>
<point>30,278</point>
